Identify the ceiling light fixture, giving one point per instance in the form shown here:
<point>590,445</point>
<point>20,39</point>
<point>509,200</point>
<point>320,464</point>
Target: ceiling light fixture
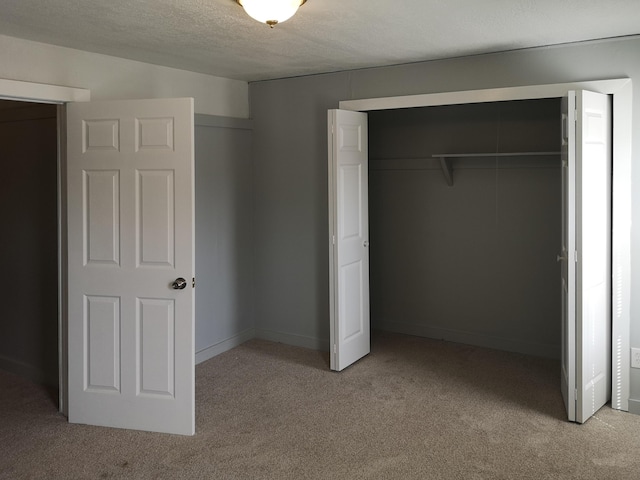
<point>271,12</point>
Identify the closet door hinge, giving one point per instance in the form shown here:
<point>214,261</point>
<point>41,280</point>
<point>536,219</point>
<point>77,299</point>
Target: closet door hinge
<point>335,348</point>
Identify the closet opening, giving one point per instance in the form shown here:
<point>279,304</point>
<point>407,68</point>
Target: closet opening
<point>29,338</point>
<point>465,223</point>
<point>590,187</point>
<point>596,120</point>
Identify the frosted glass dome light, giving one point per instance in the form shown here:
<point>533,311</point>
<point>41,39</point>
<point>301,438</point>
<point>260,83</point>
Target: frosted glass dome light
<point>271,12</point>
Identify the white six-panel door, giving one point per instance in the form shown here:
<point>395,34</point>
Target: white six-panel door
<point>348,237</point>
<point>586,253</point>
<point>130,195</point>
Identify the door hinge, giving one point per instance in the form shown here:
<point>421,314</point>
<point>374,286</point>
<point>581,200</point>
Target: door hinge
<point>193,282</point>
<point>333,239</point>
<point>335,348</point>
<point>575,256</point>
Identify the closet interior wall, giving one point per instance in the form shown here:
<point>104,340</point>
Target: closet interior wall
<point>474,262</point>
<point>29,242</point>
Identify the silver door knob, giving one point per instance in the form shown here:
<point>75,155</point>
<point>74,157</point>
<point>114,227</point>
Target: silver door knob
<point>561,258</point>
<point>179,284</point>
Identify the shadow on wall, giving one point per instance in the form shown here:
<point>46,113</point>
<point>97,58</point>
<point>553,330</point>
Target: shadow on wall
<point>474,262</point>
<point>224,233</point>
<point>29,245</point>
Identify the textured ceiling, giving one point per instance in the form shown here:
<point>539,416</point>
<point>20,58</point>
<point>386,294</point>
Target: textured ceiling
<point>218,38</point>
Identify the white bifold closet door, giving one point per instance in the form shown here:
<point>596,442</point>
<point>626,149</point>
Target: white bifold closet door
<point>130,200</point>
<point>348,237</point>
<point>586,253</point>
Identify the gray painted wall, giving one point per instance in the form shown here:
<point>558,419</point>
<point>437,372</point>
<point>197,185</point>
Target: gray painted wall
<point>291,267</point>
<point>224,234</point>
<point>474,262</point>
<point>28,244</point>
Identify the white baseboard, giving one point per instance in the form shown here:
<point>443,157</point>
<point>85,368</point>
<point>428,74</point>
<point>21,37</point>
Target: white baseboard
<point>470,338</point>
<point>634,406</point>
<point>22,369</point>
<point>314,343</point>
<point>293,339</point>
<point>225,345</point>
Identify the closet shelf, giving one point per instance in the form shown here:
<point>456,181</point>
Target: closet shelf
<point>447,170</point>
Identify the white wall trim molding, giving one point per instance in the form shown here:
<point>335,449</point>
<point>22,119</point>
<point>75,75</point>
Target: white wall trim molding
<point>41,92</point>
<point>528,92</point>
<point>634,406</point>
<point>621,248</point>
<point>293,339</point>
<point>622,92</point>
<point>216,121</point>
<point>225,345</point>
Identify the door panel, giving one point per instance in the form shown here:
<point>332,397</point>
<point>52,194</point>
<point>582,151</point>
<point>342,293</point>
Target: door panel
<point>131,234</point>
<point>351,280</point>
<point>155,328</point>
<point>348,233</point>
<point>155,207</point>
<point>101,198</point>
<point>586,257</point>
<point>102,343</point>
<point>593,241</point>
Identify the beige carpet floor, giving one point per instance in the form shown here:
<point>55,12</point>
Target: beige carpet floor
<point>413,409</point>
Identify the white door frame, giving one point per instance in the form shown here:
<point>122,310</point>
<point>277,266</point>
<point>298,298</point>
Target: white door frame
<point>621,91</point>
<point>54,94</point>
